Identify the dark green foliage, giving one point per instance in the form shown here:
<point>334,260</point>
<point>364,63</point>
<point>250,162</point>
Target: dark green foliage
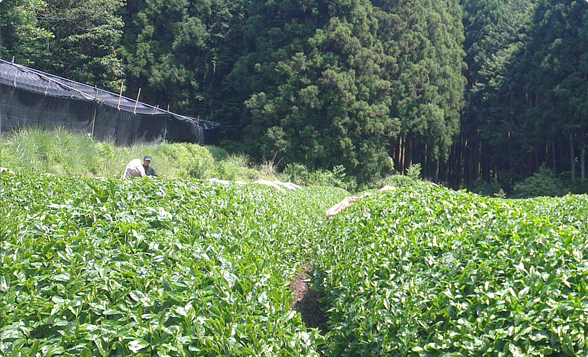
<point>23,37</point>
<point>490,189</point>
<point>178,52</point>
<point>469,89</point>
<point>76,40</point>
<point>429,91</point>
<point>542,183</point>
<point>332,96</point>
<point>491,126</point>
<point>87,36</point>
<point>554,70</point>
<point>527,97</point>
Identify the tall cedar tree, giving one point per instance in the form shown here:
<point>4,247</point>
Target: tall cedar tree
<point>331,95</point>
<point>178,51</point>
<point>554,72</point>
<point>429,88</point>
<point>371,71</point>
<point>491,136</point>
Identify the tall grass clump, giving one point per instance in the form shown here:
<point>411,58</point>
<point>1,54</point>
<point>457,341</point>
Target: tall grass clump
<point>336,177</point>
<point>67,153</point>
<point>60,152</point>
<point>412,177</point>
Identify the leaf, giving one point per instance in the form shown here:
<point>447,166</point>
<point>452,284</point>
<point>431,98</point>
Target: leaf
<point>3,284</point>
<point>524,292</point>
<point>138,296</point>
<point>54,350</point>
<point>61,277</point>
<point>137,345</point>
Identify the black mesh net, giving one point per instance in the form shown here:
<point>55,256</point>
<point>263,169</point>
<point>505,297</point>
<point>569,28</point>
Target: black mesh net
<point>33,98</point>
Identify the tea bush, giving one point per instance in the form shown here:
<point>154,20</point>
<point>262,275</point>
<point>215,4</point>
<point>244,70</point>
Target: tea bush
<point>424,271</point>
<point>191,268</point>
<point>153,267</point>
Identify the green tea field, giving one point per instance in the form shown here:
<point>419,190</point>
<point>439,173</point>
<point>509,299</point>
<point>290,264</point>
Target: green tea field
<point>145,267</point>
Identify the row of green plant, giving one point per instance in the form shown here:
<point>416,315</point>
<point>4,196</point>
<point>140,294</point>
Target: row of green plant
<point>191,268</point>
<point>63,152</point>
<point>153,267</point>
<point>425,271</point>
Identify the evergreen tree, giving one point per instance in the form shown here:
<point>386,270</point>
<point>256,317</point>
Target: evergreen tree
<point>554,70</point>
<point>179,51</point>
<point>330,100</point>
<point>492,124</point>
<point>86,38</point>
<point>429,88</point>
<point>76,40</point>
<point>22,35</point>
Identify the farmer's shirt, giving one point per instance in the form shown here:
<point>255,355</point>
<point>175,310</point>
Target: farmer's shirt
<point>149,171</point>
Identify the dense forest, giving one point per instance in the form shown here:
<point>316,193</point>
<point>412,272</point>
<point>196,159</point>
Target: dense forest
<point>471,89</point>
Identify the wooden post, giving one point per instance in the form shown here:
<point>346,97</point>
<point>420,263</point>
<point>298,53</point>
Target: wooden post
<point>94,119</point>
<point>95,108</point>
<point>137,101</point>
<point>47,87</point>
<point>120,95</point>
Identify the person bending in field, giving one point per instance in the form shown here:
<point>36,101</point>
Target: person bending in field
<point>137,169</point>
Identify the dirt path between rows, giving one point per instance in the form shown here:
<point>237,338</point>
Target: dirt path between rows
<point>307,301</point>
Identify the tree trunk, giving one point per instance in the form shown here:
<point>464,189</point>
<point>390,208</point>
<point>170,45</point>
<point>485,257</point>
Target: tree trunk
<point>553,159</point>
<point>409,152</point>
<point>425,167</point>
<point>402,154</point>
<point>572,158</point>
<point>582,154</point>
<point>583,162</point>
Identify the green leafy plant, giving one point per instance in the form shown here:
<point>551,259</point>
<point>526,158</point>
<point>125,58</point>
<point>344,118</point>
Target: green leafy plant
<point>152,267</point>
<point>428,271</point>
<point>414,171</point>
<point>542,183</point>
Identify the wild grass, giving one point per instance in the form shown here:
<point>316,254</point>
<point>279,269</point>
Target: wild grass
<point>63,152</point>
<point>66,153</point>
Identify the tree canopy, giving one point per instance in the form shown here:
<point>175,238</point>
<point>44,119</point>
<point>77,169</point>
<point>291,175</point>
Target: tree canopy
<point>468,89</point>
